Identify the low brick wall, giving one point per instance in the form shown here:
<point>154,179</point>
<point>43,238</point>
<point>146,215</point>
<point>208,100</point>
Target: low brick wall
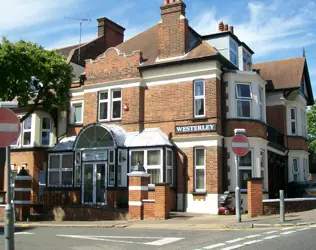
<point>291,205</point>
<point>2,206</point>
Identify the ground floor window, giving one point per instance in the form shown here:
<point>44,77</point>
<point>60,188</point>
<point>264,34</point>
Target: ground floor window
<point>169,164</point>
<point>296,169</point>
<point>60,169</point>
<point>245,169</point>
<point>199,169</point>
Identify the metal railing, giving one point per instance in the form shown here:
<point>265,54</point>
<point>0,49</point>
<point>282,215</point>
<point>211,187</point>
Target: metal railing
<point>275,136</point>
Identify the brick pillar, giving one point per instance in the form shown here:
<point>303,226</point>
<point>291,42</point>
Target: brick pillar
<point>22,196</point>
<point>162,193</point>
<point>255,197</point>
<point>137,192</point>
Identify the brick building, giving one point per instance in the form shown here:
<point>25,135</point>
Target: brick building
<point>170,99</point>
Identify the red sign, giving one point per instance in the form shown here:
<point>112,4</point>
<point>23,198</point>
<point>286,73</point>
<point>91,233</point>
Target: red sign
<point>240,145</point>
<point>9,127</point>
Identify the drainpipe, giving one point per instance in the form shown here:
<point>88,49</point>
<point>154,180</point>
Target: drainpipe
<point>185,169</point>
<point>223,127</point>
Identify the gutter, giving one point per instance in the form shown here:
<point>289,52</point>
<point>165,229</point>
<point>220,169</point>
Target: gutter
<point>185,170</point>
<point>223,115</point>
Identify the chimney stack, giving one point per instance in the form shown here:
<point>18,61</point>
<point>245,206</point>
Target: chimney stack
<point>225,27</point>
<point>221,26</point>
<point>231,29</point>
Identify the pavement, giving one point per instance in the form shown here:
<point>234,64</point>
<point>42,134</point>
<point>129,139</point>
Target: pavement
<point>189,221</point>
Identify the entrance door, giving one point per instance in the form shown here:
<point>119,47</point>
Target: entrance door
<point>94,183</point>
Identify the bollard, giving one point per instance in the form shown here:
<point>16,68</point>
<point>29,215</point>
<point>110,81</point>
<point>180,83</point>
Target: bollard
<point>282,213</point>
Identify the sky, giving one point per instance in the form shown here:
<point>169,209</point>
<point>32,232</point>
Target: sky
<point>273,29</point>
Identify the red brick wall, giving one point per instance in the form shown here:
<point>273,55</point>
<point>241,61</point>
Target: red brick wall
<point>276,117</point>
<point>149,209</point>
<point>297,143</point>
<point>255,207</point>
<point>253,128</point>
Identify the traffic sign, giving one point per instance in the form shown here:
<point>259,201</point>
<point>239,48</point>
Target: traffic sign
<point>240,145</point>
<point>9,127</point>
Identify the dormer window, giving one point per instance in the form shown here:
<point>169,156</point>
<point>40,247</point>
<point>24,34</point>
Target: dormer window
<point>247,62</point>
<point>233,51</point>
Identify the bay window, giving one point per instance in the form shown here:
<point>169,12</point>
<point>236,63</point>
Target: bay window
<point>233,52</point>
<point>199,170</point>
<point>293,121</point>
<point>60,170</point>
<point>169,168</point>
<point>46,129</point>
<point>296,169</point>
<point>245,169</point>
<point>243,98</point>
<point>199,98</point>
<point>27,131</point>
<point>260,103</point>
<point>306,169</point>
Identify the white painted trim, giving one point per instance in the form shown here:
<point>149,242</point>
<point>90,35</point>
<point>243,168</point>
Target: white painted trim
<point>289,200</point>
<point>191,144</point>
<point>139,174</point>
<point>9,127</point>
<point>275,151</point>
<point>171,58</point>
<point>23,178</point>
<point>135,203</point>
<point>240,145</point>
<point>149,200</point>
<point>138,188</point>
<point>22,189</point>
<point>19,202</point>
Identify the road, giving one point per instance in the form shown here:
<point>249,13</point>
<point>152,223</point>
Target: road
<point>112,238</point>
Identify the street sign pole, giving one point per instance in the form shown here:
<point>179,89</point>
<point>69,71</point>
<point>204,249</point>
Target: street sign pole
<point>237,191</point>
<point>8,211</point>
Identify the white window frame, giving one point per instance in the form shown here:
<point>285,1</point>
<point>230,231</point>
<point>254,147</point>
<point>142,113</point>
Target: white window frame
<point>246,57</point>
<point>112,106</point>
<point>169,167</point>
<point>104,101</point>
<point>78,163</point>
<point>19,139</point>
<point>247,168</point>
<point>303,117</point>
<point>305,169</point>
<point>199,97</point>
<point>196,167</point>
<point>60,170</point>
<point>243,99</point>
<point>46,130</point>
<point>121,164</point>
<point>235,52</point>
<point>296,173</point>
<point>27,131</point>
<point>260,103</point>
<point>111,163</point>
<point>73,104</point>
<point>293,120</point>
<point>263,168</point>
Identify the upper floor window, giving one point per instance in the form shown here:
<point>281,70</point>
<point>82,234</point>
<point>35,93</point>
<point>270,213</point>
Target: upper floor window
<point>260,103</point>
<point>76,112</point>
<point>199,169</point>
<point>46,128</point>
<point>199,98</point>
<point>247,62</point>
<point>27,131</point>
<point>110,105</point>
<point>233,51</point>
<point>293,120</point>
<point>243,98</point>
<point>304,127</point>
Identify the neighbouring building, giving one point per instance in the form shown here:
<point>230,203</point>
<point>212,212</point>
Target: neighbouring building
<point>170,99</point>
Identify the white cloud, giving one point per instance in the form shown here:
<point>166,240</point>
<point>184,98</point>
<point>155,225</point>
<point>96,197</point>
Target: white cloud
<point>71,40</point>
<point>271,27</point>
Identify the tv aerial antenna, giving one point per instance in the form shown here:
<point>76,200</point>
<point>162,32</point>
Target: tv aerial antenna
<point>81,20</point>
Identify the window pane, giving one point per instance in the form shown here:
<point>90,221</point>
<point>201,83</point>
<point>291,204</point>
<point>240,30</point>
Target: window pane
<point>137,156</point>
<point>199,88</point>
<point>117,109</point>
<point>245,161</point>
<point>295,165</point>
<point>119,175</point>
<point>78,114</point>
<point>117,94</point>
<point>42,178</point>
<point>54,161</point>
<point>293,128</point>
<point>153,157</point>
<point>169,158</point>
<point>244,175</point>
<point>103,111</point>
<point>78,176</point>
<point>54,178</point>
<point>27,138</point>
<point>111,156</point>
<point>45,138</point>
<point>293,114</point>
<point>233,58</point>
<point>243,108</point>
<point>296,177</point>
<point>154,176</point>
<point>28,123</point>
<point>260,95</point>
<point>200,179</point>
<point>104,96</point>
<point>199,107</point>
<point>199,157</point>
<point>260,112</point>
<point>67,161</point>
<point>66,177</point>
<point>111,175</point>
<point>262,159</point>
<point>233,46</point>
<point>243,90</point>
<point>46,123</point>
<point>169,176</point>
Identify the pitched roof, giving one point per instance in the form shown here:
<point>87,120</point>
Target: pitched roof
<point>147,43</point>
<point>66,50</point>
<point>284,74</point>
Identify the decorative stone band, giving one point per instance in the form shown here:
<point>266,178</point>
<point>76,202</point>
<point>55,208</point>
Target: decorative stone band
<point>19,202</point>
<point>149,201</point>
<point>22,189</point>
<point>135,203</point>
<point>139,174</point>
<point>138,188</point>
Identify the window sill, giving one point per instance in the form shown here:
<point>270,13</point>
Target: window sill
<point>113,120</point>
<point>199,193</point>
<point>204,118</point>
<point>76,124</point>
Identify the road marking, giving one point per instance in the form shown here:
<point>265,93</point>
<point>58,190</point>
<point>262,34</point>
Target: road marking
<point>288,232</point>
<point>286,228</point>
<point>253,236</point>
<point>251,242</point>
<point>271,237</point>
<point>23,233</point>
<point>313,226</point>
<point>232,247</point>
<point>164,241</point>
<point>214,246</point>
<point>235,240</point>
<point>271,232</point>
<point>303,229</point>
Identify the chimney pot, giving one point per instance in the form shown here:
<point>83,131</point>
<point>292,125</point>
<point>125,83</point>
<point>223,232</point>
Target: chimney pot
<point>226,27</point>
<point>172,1</point>
<point>221,26</point>
<point>166,2</point>
<point>231,29</point>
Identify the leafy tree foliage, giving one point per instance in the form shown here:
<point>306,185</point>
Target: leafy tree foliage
<point>33,76</point>
<point>311,124</point>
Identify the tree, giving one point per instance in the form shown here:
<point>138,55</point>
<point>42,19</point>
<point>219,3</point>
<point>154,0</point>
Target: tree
<point>33,76</point>
<point>311,124</point>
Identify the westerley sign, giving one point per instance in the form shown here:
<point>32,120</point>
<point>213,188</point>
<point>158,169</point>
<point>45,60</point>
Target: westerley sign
<point>195,128</point>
